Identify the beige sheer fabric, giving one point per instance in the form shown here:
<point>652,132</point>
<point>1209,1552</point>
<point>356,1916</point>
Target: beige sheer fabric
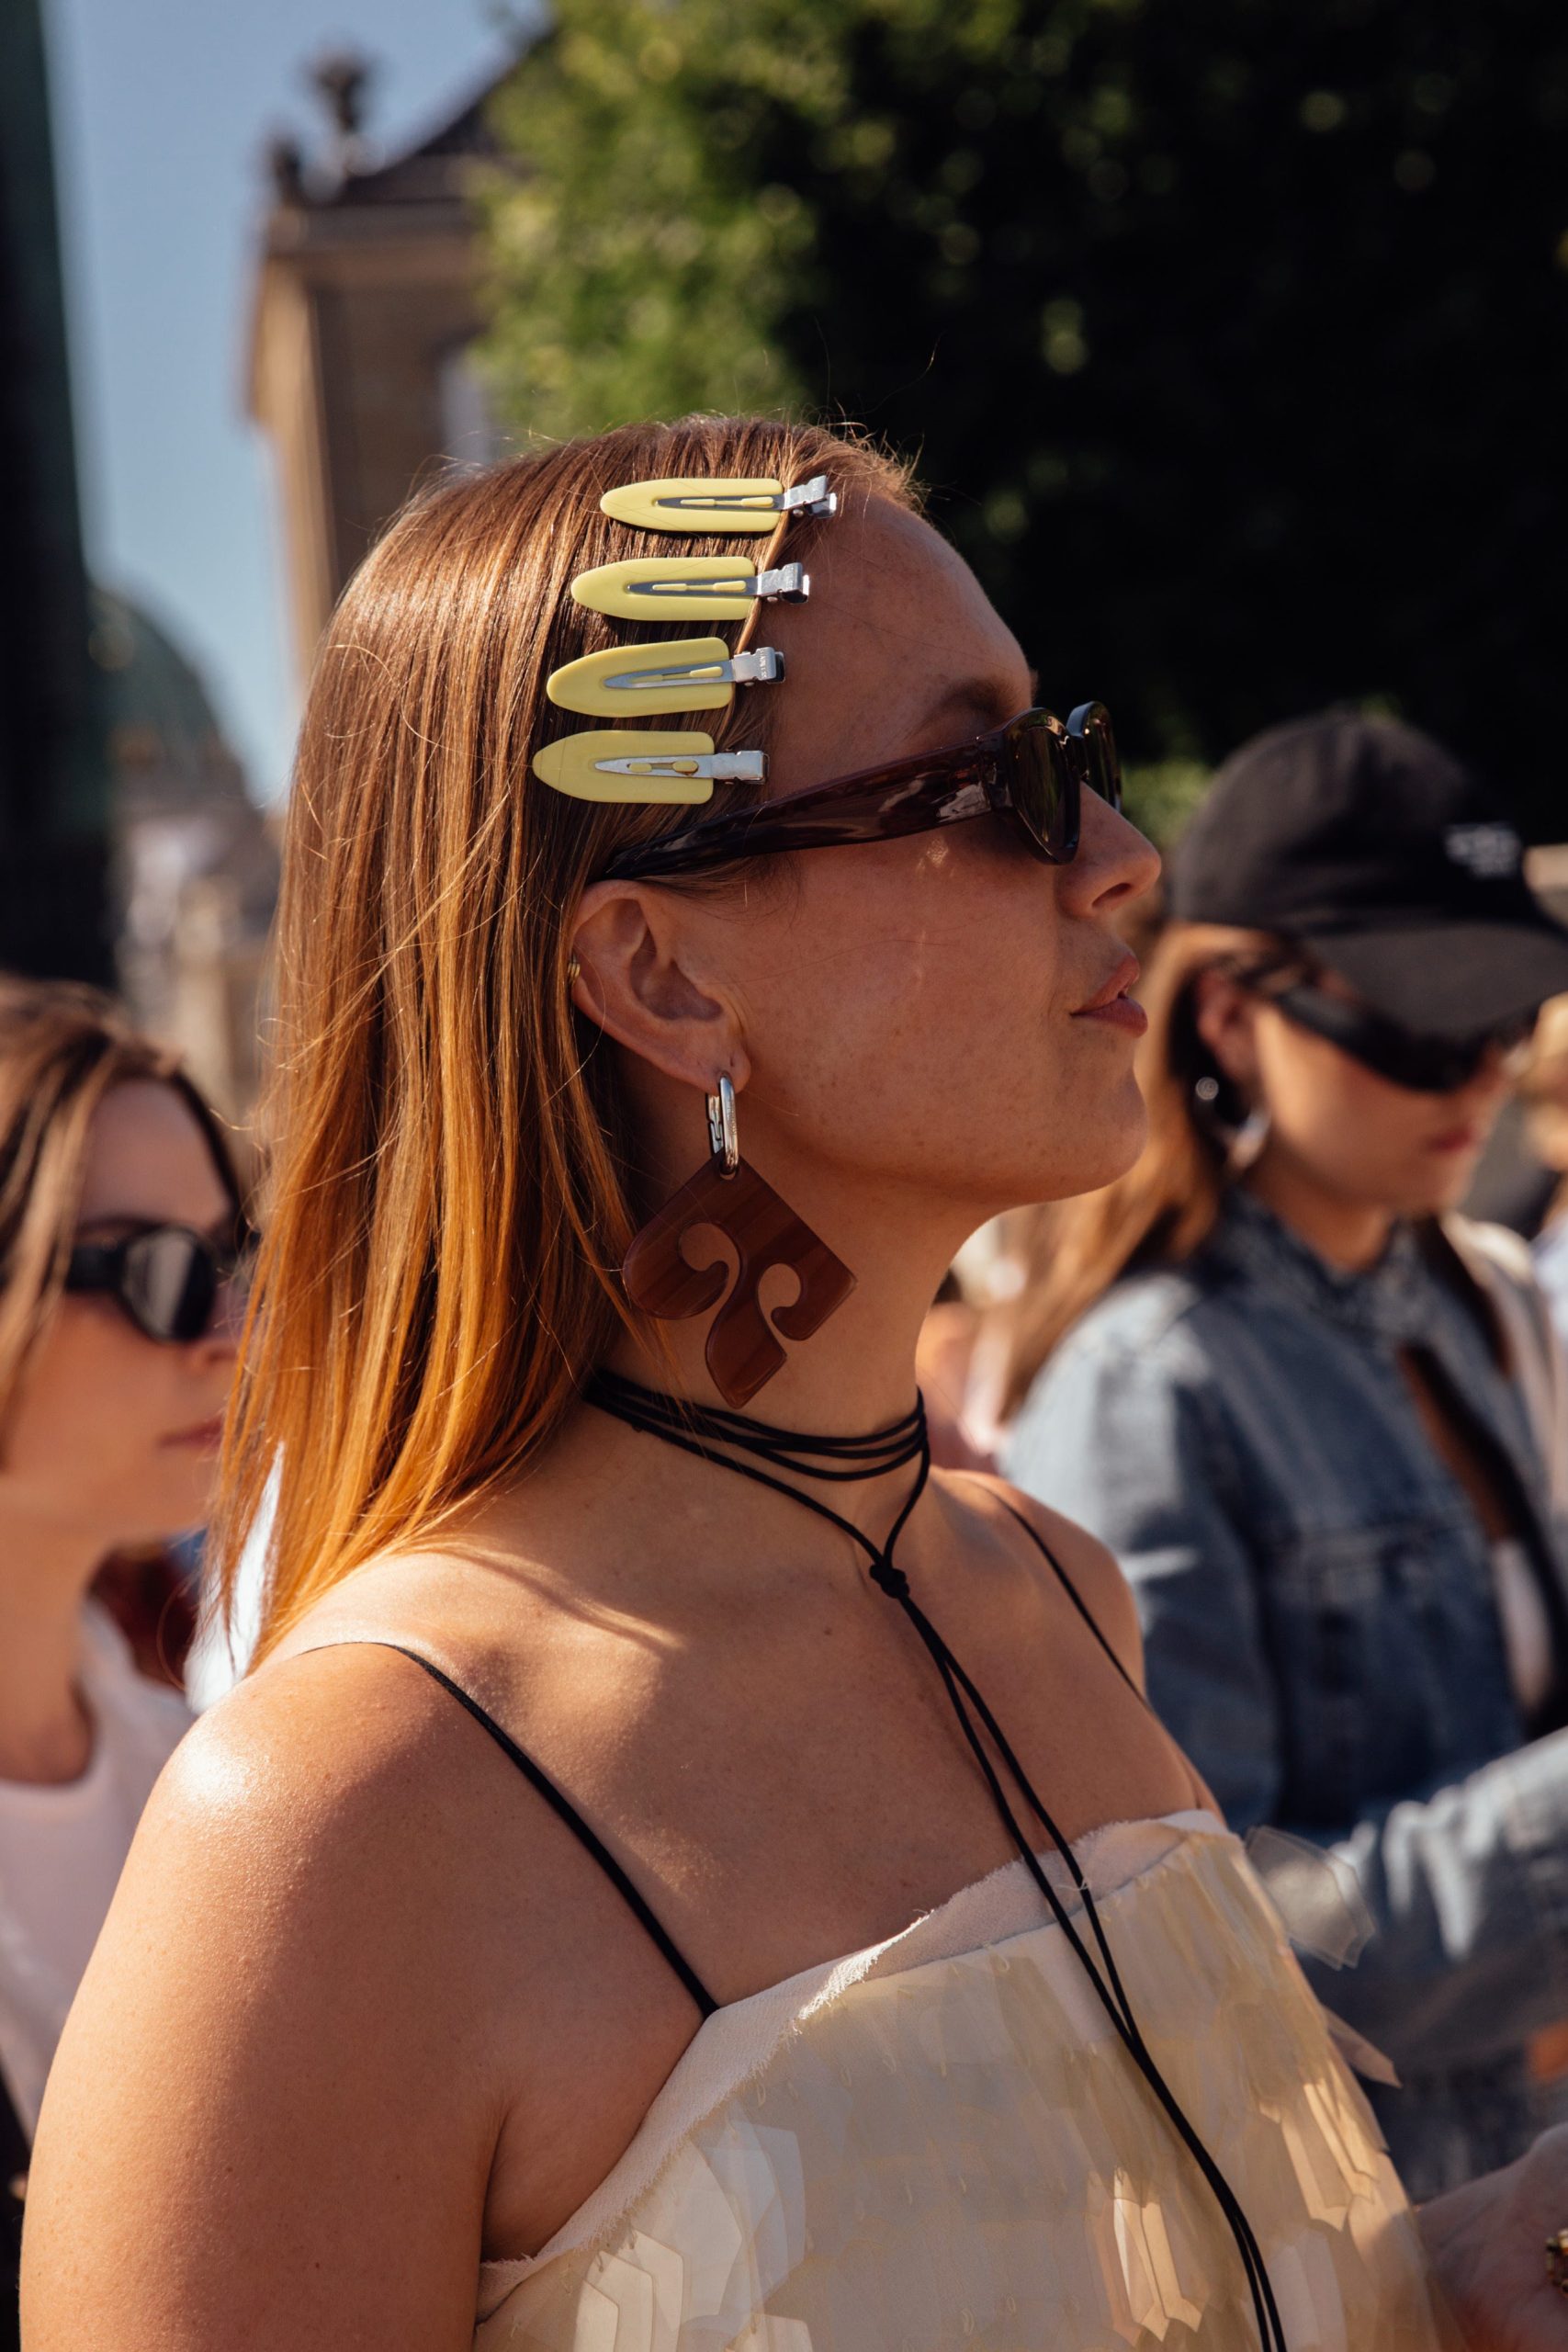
<point>940,2144</point>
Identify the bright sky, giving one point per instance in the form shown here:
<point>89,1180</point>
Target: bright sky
<point>161,111</point>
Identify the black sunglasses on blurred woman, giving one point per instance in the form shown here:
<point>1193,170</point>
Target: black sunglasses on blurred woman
<point>168,1280</point>
<point>1422,1061</point>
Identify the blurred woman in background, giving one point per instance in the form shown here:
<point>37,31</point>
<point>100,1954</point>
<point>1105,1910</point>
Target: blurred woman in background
<point>1544,1087</point>
<point>1321,1423</point>
<point>119,1214</point>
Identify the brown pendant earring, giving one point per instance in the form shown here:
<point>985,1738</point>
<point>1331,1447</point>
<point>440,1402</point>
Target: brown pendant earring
<point>742,1350</point>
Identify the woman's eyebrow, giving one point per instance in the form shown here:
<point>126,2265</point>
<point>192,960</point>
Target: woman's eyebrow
<point>979,697</point>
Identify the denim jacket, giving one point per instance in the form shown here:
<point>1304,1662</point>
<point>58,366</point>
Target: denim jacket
<point>1322,1637</point>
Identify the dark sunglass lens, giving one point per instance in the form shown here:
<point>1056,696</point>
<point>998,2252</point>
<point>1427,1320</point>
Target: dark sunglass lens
<point>1032,771</point>
<point>1442,1065</point>
<point>170,1285</point>
<point>1434,1065</point>
<point>1090,723</point>
<point>1421,1063</point>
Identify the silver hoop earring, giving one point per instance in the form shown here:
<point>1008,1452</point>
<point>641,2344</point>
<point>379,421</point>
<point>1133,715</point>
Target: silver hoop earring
<point>724,1128</point>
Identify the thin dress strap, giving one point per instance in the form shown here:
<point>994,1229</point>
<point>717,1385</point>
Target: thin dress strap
<point>1074,1595</point>
<point>564,1810</point>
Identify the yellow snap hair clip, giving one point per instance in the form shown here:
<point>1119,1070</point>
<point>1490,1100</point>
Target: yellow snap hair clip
<point>634,764</point>
<point>689,673</point>
<point>699,506</point>
<point>689,587</point>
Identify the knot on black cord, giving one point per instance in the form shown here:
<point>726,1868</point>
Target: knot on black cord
<point>890,1578</point>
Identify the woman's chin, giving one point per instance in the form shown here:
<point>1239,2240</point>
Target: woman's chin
<point>1099,1154</point>
<point>1115,1143</point>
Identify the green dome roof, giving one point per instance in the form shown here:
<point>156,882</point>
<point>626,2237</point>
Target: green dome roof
<point>165,745</point>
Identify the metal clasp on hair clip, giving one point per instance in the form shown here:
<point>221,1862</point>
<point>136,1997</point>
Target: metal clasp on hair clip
<point>759,667</point>
<point>688,673</point>
<point>695,587</point>
<point>678,505</point>
<point>627,765</point>
<point>714,767</point>
<point>812,497</point>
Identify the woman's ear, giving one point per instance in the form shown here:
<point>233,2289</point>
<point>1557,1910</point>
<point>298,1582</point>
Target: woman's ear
<point>641,977</point>
<point>1224,1016</point>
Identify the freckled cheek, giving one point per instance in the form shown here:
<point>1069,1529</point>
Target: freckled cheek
<point>974,900</point>
<point>936,945</point>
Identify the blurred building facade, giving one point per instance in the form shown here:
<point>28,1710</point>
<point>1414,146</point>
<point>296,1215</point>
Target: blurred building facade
<point>130,851</point>
<point>194,861</point>
<point>365,304</point>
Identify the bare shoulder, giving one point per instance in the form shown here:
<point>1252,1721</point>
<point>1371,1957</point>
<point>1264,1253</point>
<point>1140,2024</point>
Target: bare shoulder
<point>319,1745</point>
<point>312,1830</point>
<point>339,1796</point>
<point>1088,1565</point>
<point>278,2059</point>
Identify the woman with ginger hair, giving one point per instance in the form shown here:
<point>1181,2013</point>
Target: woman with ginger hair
<point>677,1879</point>
<point>1321,1421</point>
<point>118,1213</point>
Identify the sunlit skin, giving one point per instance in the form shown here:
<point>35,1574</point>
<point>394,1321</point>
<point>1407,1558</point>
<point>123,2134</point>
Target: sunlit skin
<point>903,1021</point>
<point>113,1441</point>
<point>363,2011</point>
<point>1346,1153</point>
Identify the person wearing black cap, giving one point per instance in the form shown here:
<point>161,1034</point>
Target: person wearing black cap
<point>1324,1422</point>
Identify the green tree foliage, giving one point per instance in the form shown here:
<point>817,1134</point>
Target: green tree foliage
<point>1231,336</point>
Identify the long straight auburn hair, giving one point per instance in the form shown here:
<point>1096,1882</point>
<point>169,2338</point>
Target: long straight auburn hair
<point>451,1173</point>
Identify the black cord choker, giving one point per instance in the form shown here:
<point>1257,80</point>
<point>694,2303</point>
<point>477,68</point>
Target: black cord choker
<point>839,1459</point>
<point>720,1437</point>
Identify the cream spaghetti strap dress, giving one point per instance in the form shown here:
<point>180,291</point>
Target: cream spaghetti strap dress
<point>939,2143</point>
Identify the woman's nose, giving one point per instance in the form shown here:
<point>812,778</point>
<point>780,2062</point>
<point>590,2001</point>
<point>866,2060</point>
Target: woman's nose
<point>220,1340</point>
<point>1114,864</point>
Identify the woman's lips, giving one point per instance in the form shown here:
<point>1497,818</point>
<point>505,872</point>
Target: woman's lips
<point>1455,1139</point>
<point>1113,1006</point>
<point>204,1437</point>
<point>1122,1013</point>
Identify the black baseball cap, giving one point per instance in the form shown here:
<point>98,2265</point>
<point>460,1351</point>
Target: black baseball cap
<point>1372,845</point>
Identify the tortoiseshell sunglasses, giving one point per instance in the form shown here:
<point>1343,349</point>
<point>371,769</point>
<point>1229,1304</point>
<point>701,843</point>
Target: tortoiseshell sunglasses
<point>1032,771</point>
